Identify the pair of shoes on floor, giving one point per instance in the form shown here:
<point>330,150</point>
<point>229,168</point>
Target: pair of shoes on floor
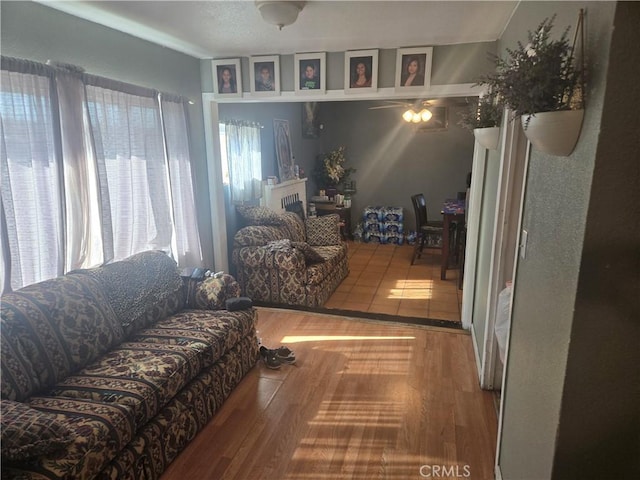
<point>273,358</point>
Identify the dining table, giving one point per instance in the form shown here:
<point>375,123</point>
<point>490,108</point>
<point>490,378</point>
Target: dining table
<point>453,211</point>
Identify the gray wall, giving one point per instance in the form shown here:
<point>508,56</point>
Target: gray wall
<point>392,159</point>
<point>570,398</point>
<point>35,32</point>
<point>451,64</point>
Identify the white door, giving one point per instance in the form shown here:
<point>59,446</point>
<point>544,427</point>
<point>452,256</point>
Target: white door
<point>496,197</point>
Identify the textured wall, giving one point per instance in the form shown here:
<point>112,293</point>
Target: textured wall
<point>556,203</point>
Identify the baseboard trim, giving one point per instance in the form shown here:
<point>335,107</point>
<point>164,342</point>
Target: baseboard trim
<point>429,322</point>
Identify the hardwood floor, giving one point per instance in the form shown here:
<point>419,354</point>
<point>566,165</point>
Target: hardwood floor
<point>365,400</point>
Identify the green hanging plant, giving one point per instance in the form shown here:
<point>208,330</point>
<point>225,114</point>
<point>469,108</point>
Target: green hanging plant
<point>537,77</point>
<point>486,113</point>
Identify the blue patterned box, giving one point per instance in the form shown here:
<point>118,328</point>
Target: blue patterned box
<point>392,214</point>
<point>394,238</point>
<point>392,227</point>
<point>372,213</point>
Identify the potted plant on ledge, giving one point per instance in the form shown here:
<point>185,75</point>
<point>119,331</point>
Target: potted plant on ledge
<point>483,119</point>
<point>540,83</point>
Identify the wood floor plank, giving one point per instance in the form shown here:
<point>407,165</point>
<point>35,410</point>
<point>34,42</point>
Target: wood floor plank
<point>365,400</point>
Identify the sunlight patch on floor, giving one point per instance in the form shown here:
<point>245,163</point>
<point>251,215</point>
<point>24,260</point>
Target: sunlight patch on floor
<point>334,338</point>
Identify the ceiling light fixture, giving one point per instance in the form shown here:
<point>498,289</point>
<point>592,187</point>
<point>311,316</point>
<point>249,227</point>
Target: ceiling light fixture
<point>411,116</point>
<point>279,13</point>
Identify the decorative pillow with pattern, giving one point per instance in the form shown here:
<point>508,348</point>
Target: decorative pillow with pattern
<point>310,254</point>
<point>256,215</point>
<point>324,230</point>
<point>27,432</point>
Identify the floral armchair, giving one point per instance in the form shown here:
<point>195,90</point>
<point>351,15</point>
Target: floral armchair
<point>282,259</point>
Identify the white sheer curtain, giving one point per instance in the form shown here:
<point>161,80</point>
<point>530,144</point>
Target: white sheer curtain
<point>244,159</point>
<point>31,180</point>
<point>92,170</point>
<point>186,239</point>
<point>127,135</point>
<point>84,247</point>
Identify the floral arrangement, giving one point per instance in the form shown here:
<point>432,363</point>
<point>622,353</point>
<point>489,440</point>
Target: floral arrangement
<point>486,113</point>
<point>539,76</point>
<point>331,168</point>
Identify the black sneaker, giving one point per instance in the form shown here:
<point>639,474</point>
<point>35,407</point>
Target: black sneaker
<point>284,355</point>
<point>269,358</point>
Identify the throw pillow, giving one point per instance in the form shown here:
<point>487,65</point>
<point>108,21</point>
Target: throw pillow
<point>27,432</point>
<point>310,254</point>
<point>324,230</point>
<point>257,215</point>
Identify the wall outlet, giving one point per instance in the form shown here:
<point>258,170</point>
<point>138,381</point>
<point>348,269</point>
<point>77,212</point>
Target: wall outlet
<point>523,244</point>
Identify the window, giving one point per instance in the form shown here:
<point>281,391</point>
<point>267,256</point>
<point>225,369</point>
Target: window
<point>112,178</point>
<point>241,152</point>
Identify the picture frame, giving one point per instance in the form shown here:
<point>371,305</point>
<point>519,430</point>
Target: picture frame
<point>233,87</point>
<point>284,155</point>
<point>264,75</point>
<point>310,81</point>
<point>310,120</point>
<point>361,71</point>
<point>408,59</point>
<point>439,121</point>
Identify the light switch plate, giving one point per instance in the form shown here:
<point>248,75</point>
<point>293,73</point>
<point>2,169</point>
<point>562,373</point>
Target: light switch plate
<point>523,244</point>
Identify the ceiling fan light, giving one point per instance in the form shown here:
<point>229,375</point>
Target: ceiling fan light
<point>279,13</point>
<point>408,115</point>
<point>416,118</point>
<point>425,115</point>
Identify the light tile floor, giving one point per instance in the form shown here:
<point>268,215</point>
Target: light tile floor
<point>382,280</point>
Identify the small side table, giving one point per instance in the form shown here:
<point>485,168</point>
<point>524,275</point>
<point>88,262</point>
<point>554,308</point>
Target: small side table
<point>326,208</point>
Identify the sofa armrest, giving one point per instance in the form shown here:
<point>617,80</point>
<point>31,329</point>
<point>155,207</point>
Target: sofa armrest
<point>323,230</point>
<point>212,293</point>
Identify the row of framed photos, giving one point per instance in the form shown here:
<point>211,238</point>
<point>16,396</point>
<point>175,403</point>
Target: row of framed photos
<point>413,73</point>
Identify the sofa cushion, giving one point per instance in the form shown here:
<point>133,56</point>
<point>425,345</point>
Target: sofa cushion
<point>333,255</point>
<point>142,288</point>
<point>27,432</point>
<point>310,254</point>
<point>51,329</point>
<point>98,431</point>
<point>211,335</point>
<point>324,230</point>
<point>149,369</point>
<point>141,376</point>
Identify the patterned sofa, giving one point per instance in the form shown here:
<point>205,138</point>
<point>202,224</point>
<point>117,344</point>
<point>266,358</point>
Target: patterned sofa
<point>282,259</point>
<point>108,373</point>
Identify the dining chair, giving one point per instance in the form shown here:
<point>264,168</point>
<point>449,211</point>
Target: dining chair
<point>429,234</point>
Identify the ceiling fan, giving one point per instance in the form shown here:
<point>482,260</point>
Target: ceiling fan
<point>416,111</point>
<point>415,104</point>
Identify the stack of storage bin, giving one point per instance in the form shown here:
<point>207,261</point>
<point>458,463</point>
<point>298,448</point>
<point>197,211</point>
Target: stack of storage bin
<point>383,225</point>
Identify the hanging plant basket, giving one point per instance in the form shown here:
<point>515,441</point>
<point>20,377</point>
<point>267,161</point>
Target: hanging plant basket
<point>487,137</point>
<point>555,133</point>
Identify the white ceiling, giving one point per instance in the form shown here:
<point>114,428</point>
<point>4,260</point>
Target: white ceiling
<point>210,29</point>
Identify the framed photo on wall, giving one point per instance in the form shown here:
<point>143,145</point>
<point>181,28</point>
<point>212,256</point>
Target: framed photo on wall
<point>282,141</point>
<point>264,73</point>
<point>361,71</point>
<point>413,68</point>
<point>227,78</point>
<point>310,73</point>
